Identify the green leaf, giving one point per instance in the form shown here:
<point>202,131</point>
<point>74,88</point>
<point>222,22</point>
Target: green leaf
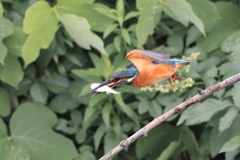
<point>91,113</point>
<point>5,107</point>
<point>63,102</point>
<point>79,30</point>
<point>229,69</point>
<point>157,141</point>
<point>235,94</point>
<point>31,130</point>
<point>232,44</point>
<point>175,41</point>
<point>131,15</point>
<point>150,14</point>
<point>217,140</point>
<point>41,24</point>
<point>56,83</point>
<point>110,141</point>
<point>106,111</point>
<point>72,58</point>
<point>105,10</point>
<point>193,35</point>
<point>182,11</point>
<point>231,41</point>
<point>81,136</point>
<point>227,120</point>
<point>117,42</point>
<point>117,125</point>
<point>39,92</point>
<point>190,142</point>
<point>11,73</point>
<point>6,29</point>
<point>1,10</point>
<point>90,75</point>
<point>120,7</point>
<point>126,36</point>
<point>167,153</point>
<point>203,8</point>
<point>232,144</point>
<point>98,136</point>
<point>126,109</point>
<point>15,42</point>
<point>202,112</point>
<point>229,15</point>
<point>109,29</point>
<point>155,109</point>
<point>232,154</point>
<point>98,22</point>
<point>7,151</point>
<point>143,105</point>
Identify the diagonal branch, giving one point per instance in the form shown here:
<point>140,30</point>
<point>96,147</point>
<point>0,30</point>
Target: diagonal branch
<point>143,131</point>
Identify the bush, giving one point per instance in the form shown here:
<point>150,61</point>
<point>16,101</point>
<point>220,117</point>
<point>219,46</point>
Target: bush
<point>51,51</point>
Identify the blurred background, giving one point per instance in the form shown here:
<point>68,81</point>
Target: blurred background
<point>52,51</point>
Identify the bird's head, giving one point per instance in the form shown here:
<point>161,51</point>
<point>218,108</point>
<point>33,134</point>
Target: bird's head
<point>119,78</point>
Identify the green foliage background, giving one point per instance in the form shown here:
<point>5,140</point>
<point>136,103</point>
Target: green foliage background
<point>51,51</point>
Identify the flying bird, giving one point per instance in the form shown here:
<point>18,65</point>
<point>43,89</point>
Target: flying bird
<point>147,68</point>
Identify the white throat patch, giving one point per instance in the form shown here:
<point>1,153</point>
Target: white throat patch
<point>131,79</point>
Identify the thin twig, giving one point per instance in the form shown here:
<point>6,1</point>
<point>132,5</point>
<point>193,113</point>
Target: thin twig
<point>143,131</point>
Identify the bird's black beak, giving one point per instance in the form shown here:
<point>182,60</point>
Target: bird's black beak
<point>100,85</point>
<point>107,83</point>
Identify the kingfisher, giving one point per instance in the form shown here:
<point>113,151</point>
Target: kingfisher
<point>146,68</point>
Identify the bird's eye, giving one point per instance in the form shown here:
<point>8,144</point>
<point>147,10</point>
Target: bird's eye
<point>116,79</point>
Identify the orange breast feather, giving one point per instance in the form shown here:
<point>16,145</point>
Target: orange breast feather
<point>151,74</point>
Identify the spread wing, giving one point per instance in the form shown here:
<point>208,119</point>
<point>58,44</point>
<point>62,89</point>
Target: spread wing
<point>141,58</point>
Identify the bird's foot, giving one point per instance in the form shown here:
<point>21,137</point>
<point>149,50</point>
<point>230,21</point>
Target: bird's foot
<point>172,78</point>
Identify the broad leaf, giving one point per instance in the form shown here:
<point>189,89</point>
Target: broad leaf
<point>202,112</point>
<point>169,151</point>
<point>143,105</point>
<point>56,83</point>
<point>79,30</point>
<point>110,141</point>
<point>126,109</point>
<point>217,140</point>
<point>231,41</point>
<point>63,102</point>
<point>232,44</point>
<point>98,136</point>
<point>11,72</point>
<point>182,11</point>
<point>190,142</point>
<point>203,8</point>
<point>1,10</point>
<point>106,111</point>
<point>150,14</point>
<point>154,109</point>
<point>81,136</point>
<point>7,151</point>
<point>5,107</point>
<point>109,29</point>
<point>232,144</point>
<point>6,29</point>
<point>227,120</point>
<point>40,23</point>
<point>229,15</point>
<point>98,22</point>
<point>39,92</point>
<point>30,128</point>
<point>236,94</point>
<point>157,140</point>
<point>15,42</point>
